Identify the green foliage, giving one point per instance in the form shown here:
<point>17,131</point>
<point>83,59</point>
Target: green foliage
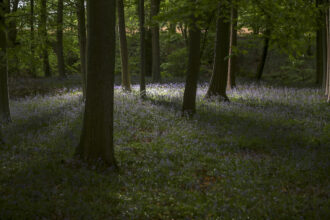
<point>176,63</point>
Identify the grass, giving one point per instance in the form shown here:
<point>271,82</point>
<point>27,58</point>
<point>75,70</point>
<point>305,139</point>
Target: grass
<point>264,155</point>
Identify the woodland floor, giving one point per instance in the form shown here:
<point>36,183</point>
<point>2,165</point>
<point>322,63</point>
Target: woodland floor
<point>264,155</point>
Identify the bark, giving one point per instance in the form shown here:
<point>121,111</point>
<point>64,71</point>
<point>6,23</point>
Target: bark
<point>32,46</point>
<point>324,51</point>
<point>12,37</point>
<point>232,68</point>
<point>218,82</point>
<point>142,48</point>
<point>4,95</point>
<point>264,55</point>
<point>125,76</point>
<point>12,34</point>
<point>156,77</point>
<point>96,143</point>
<point>59,37</point>
<point>149,57</point>
<point>319,58</point>
<point>328,54</point>
<point>321,41</point>
<point>44,37</point>
<point>189,97</point>
<point>82,41</point>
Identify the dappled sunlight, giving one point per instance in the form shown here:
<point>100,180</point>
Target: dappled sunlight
<point>229,154</point>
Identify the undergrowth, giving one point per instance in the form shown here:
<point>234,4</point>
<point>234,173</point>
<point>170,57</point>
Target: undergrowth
<point>264,155</point>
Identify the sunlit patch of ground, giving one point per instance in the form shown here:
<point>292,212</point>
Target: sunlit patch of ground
<point>263,155</point>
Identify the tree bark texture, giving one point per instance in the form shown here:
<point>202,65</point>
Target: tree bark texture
<point>82,42</point>
<point>321,41</point>
<point>44,37</point>
<point>189,97</point>
<point>232,68</point>
<point>59,37</point>
<point>125,75</point>
<point>32,46</point>
<point>142,48</point>
<point>96,141</point>
<point>156,77</point>
<point>264,55</point>
<point>327,81</point>
<point>4,94</point>
<point>219,78</point>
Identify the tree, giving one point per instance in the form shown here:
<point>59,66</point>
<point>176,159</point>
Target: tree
<point>142,48</point>
<point>44,37</point>
<point>4,95</point>
<point>96,142</point>
<point>262,63</point>
<point>125,76</point>
<point>12,34</point>
<point>59,37</point>
<point>218,82</point>
<point>232,68</point>
<point>189,97</point>
<point>320,45</point>
<point>32,47</point>
<point>82,41</point>
<point>328,53</point>
<point>156,77</point>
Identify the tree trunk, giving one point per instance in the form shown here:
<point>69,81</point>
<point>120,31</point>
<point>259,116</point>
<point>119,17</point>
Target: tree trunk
<point>4,95</point>
<point>327,86</point>
<point>44,37</point>
<point>12,34</point>
<point>96,141</point>
<point>12,38</point>
<point>82,41</point>
<point>142,49</point>
<point>149,58</point>
<point>59,36</point>
<point>218,82</point>
<point>232,68</point>
<point>125,76</point>
<point>321,41</point>
<point>156,77</point>
<point>32,47</point>
<point>324,51</point>
<point>189,97</point>
<point>262,63</point>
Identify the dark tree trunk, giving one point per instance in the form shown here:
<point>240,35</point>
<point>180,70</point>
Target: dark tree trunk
<point>12,38</point>
<point>142,48</point>
<point>324,51</point>
<point>44,37</point>
<point>12,35</point>
<point>262,63</point>
<point>156,77</point>
<point>32,47</point>
<point>4,95</point>
<point>189,97</point>
<point>232,68</point>
<point>321,41</point>
<point>125,76</point>
<point>82,41</point>
<point>149,57</point>
<point>327,80</point>
<point>319,58</point>
<point>218,82</point>
<point>96,141</point>
<point>59,36</point>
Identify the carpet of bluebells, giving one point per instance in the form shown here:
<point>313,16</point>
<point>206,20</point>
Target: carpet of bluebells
<point>264,155</point>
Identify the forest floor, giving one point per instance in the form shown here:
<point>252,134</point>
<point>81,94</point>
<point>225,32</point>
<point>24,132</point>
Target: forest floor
<point>264,155</point>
